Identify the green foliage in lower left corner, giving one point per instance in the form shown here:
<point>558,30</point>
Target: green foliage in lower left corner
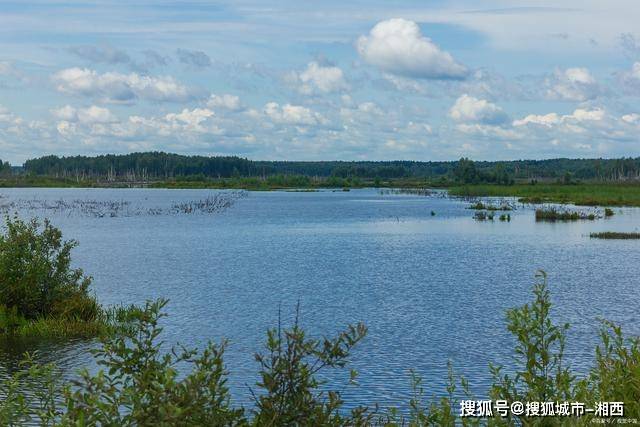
<point>138,384</point>
<point>40,293</point>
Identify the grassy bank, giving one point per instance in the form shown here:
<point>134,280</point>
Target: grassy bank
<point>592,194</point>
<point>277,182</point>
<point>25,181</point>
<point>107,321</point>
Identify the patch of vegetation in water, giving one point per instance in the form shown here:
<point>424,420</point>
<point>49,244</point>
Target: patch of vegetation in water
<point>490,207</point>
<point>553,214</point>
<point>410,191</point>
<point>615,235</point>
<point>583,194</point>
<point>212,204</point>
<point>40,294</point>
<point>483,216</point>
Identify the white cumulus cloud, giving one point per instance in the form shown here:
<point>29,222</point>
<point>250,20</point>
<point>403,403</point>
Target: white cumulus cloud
<point>538,119</point>
<point>398,46</point>
<point>292,114</point>
<point>192,118</point>
<point>93,114</point>
<point>320,79</point>
<point>470,109</point>
<point>118,87</point>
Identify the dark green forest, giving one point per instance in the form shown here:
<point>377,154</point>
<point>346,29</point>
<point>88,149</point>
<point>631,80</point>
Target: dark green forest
<point>152,166</point>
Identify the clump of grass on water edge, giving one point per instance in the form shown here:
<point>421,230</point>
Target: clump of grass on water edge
<point>553,214</point>
<point>615,235</point>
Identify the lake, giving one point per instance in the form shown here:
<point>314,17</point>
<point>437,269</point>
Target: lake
<point>430,288</point>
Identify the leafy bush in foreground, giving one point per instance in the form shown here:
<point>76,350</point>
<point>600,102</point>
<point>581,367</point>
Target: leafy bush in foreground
<point>540,374</point>
<point>288,378</point>
<point>140,386</point>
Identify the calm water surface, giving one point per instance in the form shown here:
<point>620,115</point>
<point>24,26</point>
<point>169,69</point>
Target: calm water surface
<point>430,288</point>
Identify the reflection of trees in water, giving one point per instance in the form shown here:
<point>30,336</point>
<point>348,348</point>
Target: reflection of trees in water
<point>68,354</point>
<point>212,204</point>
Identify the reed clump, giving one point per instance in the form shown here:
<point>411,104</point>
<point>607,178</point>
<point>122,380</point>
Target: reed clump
<point>615,235</point>
<point>483,216</point>
<point>490,207</point>
<point>553,214</point>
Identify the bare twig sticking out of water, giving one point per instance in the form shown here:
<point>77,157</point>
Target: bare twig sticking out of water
<point>114,208</point>
<point>211,204</point>
<point>412,191</point>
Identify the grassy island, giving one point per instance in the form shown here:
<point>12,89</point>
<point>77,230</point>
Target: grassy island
<point>584,194</point>
<point>615,235</point>
<point>40,294</point>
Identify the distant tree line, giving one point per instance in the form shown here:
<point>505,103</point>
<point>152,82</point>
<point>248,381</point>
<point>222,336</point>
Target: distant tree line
<point>5,168</point>
<point>160,165</point>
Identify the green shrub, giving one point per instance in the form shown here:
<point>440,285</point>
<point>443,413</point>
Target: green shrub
<point>616,374</point>
<point>40,294</point>
<point>36,275</point>
<point>10,319</point>
<point>140,386</point>
<point>541,375</point>
<point>289,382</point>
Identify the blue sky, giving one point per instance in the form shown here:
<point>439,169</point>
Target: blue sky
<point>347,80</point>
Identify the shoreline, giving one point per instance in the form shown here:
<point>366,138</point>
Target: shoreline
<point>616,194</point>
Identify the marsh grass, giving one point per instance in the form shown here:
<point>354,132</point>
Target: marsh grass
<point>615,235</point>
<point>212,204</point>
<point>553,214</point>
<point>409,191</point>
<point>490,207</point>
<point>596,194</point>
<point>108,321</point>
<point>483,216</point>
